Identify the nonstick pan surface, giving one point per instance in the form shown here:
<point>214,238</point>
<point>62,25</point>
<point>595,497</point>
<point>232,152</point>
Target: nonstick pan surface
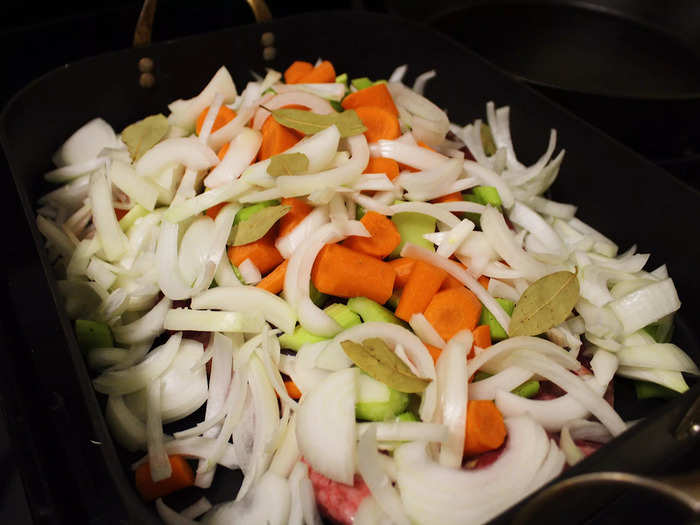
<point>617,191</point>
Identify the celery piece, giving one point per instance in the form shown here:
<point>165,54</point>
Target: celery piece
<point>488,194</point>
<point>397,404</point>
<point>406,416</point>
<point>412,226</point>
<point>337,106</point>
<point>393,301</point>
<point>269,90</point>
<point>487,318</point>
<point>359,212</point>
<point>135,213</point>
<point>337,311</point>
<point>342,79</point>
<point>647,390</point>
<point>480,375</point>
<point>527,389</point>
<point>93,334</point>
<point>247,212</point>
<point>372,311</point>
<point>661,330</point>
<point>361,83</point>
<point>380,81</point>
<point>318,298</point>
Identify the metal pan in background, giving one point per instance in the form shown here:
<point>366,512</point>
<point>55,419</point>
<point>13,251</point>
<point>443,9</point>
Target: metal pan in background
<point>108,86</point>
<point>629,67</point>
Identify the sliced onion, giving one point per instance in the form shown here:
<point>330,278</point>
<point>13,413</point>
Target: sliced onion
<point>326,426</point>
<point>491,178</point>
<point>411,155</point>
<point>646,305</point>
<point>506,380</point>
<point>326,90</point>
<point>288,244</point>
<point>184,113</point>
<point>455,238</point>
<point>241,152</point>
<point>423,329</point>
<point>451,371</point>
<point>127,429</point>
<point>601,322</point>
<point>552,208</point>
<point>551,467</point>
<point>667,378</point>
<point>187,151</point>
<point>268,502</point>
<point>426,208</point>
<point>85,144</point>
<point>137,377</point>
<point>572,453</point>
<point>187,208</point>
<point>249,272</point>
<point>421,80</point>
<point>139,189</point>
<point>112,238</point>
<point>346,174</point>
<point>533,222</point>
<point>145,328</point>
<point>376,479</point>
<point>239,299</point>
<point>158,460</point>
<point>456,271</point>
<point>287,454</point>
<point>197,447</point>
<point>229,131</point>
<point>194,248</point>
<point>432,493</point>
<point>74,171</point>
<point>406,431</point>
<point>170,517</point>
<point>664,356</point>
<point>211,321</point>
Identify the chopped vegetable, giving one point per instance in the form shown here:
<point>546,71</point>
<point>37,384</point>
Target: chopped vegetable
<point>273,282</point>
<point>383,165</point>
<point>262,253</point>
<point>412,226</point>
<point>485,429</point>
<point>384,237</point>
<point>377,95</point>
<point>371,311</point>
<point>340,313</point>
<point>487,318</point>
<point>420,289</point>
<point>181,477</point>
<point>93,334</point>
<point>381,124</point>
<point>452,311</point>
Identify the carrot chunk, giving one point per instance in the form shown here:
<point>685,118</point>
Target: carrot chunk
<point>377,95</point>
<point>343,272</point>
<point>273,282</point>
<point>322,73</point>
<point>297,70</point>
<point>403,266</point>
<point>380,123</point>
<point>383,165</point>
<point>292,389</point>
<point>482,338</point>
<point>450,197</point>
<point>262,253</point>
<point>451,282</point>
<point>214,210</point>
<point>181,477</point>
<point>384,236</point>
<point>484,429</point>
<point>452,310</point>
<point>276,139</point>
<point>300,209</point>
<point>434,352</point>
<point>484,281</point>
<point>419,292</point>
<point>223,117</point>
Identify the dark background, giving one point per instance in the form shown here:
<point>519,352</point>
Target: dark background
<point>34,41</point>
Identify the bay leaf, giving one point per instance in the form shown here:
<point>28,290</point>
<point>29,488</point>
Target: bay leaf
<point>141,136</point>
<point>255,227</point>
<point>544,304</point>
<point>288,164</point>
<point>347,122</point>
<point>377,360</point>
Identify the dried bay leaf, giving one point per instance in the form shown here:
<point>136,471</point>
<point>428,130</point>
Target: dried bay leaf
<point>288,164</point>
<point>377,360</point>
<point>347,122</point>
<point>141,136</point>
<point>545,303</point>
<point>255,227</point>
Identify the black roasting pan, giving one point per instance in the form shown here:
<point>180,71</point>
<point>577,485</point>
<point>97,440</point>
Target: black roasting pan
<point>617,191</point>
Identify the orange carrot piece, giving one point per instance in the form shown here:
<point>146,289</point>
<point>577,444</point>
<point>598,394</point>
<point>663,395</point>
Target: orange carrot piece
<point>451,282</point>
<point>214,210</point>
<point>223,151</point>
<point>376,95</point>
<point>383,165</point>
<point>297,70</point>
<point>343,272</point>
<point>321,74</point>
<point>262,253</point>
<point>273,282</point>
<point>384,236</point>
<point>452,310</point>
<point>223,117</point>
<point>419,292</point>
<point>450,197</point>
<point>434,352</point>
<point>484,281</point>
<point>181,477</point>
<point>403,266</point>
<point>410,168</point>
<point>482,338</point>
<point>484,429</point>
<point>380,123</point>
<point>292,389</point>
<point>276,139</point>
<point>300,209</point>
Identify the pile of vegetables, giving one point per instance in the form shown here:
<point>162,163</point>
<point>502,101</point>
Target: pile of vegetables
<point>372,312</point>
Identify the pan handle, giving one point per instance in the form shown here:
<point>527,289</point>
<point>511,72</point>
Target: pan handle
<point>144,25</point>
